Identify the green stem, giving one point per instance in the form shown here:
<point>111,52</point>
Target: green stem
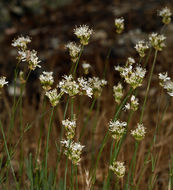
<point>72,177</point>
<point>148,87</point>
<point>76,177</point>
<point>107,134</point>
<point>132,167</point>
<point>8,155</point>
<point>74,72</point>
<point>47,142</point>
<point>87,119</point>
<point>148,153</point>
<point>65,176</point>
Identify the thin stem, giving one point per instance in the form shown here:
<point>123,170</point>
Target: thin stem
<point>8,155</point>
<point>47,142</point>
<point>74,72</point>
<point>107,134</point>
<point>148,87</point>
<point>65,176</point>
<point>132,166</point>
<point>87,119</point>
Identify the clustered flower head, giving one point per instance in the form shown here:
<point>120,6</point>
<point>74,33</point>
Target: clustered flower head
<point>118,92</point>
<point>141,47</point>
<point>86,66</point>
<point>139,132</point>
<point>117,129</point>
<point>133,76</point>
<point>21,42</point>
<point>165,13</point>
<point>163,78</point>
<point>25,55</point>
<point>118,168</point>
<point>166,83</point>
<point>70,126</point>
<point>73,151</point>
<point>46,79</point>
<point>97,85</point>
<point>54,97</point>
<point>68,85</point>
<point>119,24</point>
<point>74,51</point>
<point>3,82</point>
<point>83,33</point>
<point>157,41</point>
<point>84,87</point>
<point>134,103</point>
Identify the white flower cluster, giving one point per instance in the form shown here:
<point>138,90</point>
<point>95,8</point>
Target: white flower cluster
<point>97,85</point>
<point>119,24</point>
<point>84,87</point>
<point>70,126</point>
<point>141,47</point>
<point>86,66</point>
<point>133,104</point>
<point>3,82</point>
<point>54,97</point>
<point>71,87</point>
<point>83,33</point>
<point>68,85</point>
<point>118,92</point>
<point>157,41</point>
<point>165,13</point>
<point>118,168</point>
<point>21,42</point>
<point>74,50</point>
<point>73,151</point>
<point>139,132</point>
<point>117,129</point>
<point>166,83</point>
<point>132,76</point>
<point>46,79</point>
<point>29,56</point>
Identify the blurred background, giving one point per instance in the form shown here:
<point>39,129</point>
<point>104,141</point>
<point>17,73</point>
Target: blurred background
<point>50,24</point>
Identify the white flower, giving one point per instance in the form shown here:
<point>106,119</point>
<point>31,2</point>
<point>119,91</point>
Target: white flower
<point>118,168</point>
<point>134,103</point>
<point>169,87</point>
<point>84,87</point>
<point>157,41</point>
<point>46,80</point>
<point>132,76</point>
<point>74,50</point>
<point>127,107</point>
<point>118,92</point>
<point>119,24</point>
<point>163,78</point>
<point>54,97</point>
<point>73,150</point>
<point>21,42</point>
<point>70,126</point>
<point>30,57</point>
<point>69,86</point>
<point>141,47</point>
<point>97,85</point>
<point>117,129</point>
<point>3,82</point>
<point>83,33</point>
<point>130,61</point>
<point>165,13</point>
<point>86,67</point>
<point>139,132</point>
